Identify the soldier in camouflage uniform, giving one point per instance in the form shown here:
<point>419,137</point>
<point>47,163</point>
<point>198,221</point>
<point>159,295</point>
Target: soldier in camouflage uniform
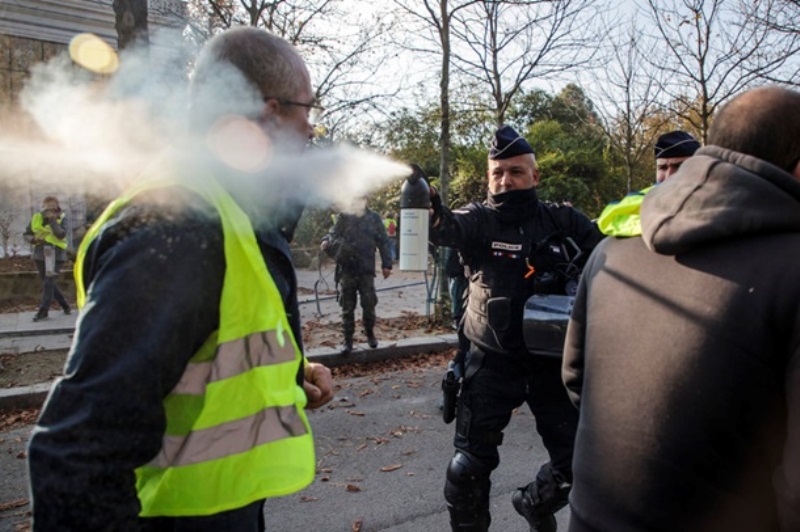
<point>351,243</point>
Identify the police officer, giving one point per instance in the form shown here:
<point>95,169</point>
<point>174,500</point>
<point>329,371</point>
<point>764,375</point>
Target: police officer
<point>621,218</point>
<point>351,243</point>
<point>515,246</point>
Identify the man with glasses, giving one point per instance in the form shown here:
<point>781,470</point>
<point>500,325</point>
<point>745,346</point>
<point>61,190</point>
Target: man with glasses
<point>182,405</point>
<point>315,111</point>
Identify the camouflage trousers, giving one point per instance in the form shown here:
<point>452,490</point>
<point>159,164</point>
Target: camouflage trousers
<point>350,288</point>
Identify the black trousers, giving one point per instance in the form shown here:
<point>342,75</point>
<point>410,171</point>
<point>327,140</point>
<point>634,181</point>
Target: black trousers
<point>49,288</point>
<point>502,384</point>
<point>249,518</point>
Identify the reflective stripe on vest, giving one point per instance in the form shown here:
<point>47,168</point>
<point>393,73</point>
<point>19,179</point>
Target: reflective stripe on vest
<point>236,430</point>
<point>45,232</point>
<point>621,218</point>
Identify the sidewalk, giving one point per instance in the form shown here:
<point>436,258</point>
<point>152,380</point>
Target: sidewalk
<point>381,445</point>
<point>403,292</point>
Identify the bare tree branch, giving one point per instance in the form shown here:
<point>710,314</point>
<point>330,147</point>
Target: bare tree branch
<point>718,48</point>
<point>629,92</point>
<point>507,44</point>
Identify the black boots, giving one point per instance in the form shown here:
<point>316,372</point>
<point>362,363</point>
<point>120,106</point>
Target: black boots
<point>347,346</point>
<point>540,500</point>
<point>371,340</point>
<point>42,314</point>
<point>538,521</point>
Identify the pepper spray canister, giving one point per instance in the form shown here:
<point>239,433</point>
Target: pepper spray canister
<point>415,202</point>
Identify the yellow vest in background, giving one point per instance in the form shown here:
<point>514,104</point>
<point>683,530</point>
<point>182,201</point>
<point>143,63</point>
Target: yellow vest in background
<point>621,218</point>
<point>45,232</point>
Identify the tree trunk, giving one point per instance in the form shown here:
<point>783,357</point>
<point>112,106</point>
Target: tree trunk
<point>131,22</point>
<point>444,162</point>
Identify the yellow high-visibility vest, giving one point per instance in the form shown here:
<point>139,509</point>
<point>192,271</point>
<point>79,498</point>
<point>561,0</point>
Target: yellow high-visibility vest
<point>621,218</point>
<point>45,232</point>
<point>236,429</point>
<point>390,224</point>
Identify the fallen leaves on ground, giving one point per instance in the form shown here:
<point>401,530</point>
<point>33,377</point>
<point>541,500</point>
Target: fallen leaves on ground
<point>5,506</point>
<point>321,333</point>
<point>417,362</point>
<point>15,418</point>
<point>390,468</point>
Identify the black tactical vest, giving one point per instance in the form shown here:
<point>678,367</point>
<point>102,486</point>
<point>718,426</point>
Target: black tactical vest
<point>511,264</point>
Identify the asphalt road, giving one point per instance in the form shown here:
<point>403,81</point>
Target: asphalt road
<point>374,425</point>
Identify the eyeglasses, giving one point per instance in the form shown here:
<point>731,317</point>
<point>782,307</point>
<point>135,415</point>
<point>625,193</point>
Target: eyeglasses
<point>315,110</point>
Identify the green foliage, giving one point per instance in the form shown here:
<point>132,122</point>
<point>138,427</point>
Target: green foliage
<point>469,179</point>
<point>528,108</point>
<point>412,136</point>
<point>576,160</point>
<point>571,164</point>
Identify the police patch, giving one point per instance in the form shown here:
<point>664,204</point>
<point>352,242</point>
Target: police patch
<point>506,246</point>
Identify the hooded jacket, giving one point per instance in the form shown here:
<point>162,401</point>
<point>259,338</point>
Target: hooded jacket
<point>683,354</point>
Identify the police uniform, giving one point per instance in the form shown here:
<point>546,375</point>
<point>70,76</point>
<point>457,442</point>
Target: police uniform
<point>352,243</point>
<point>515,246</point>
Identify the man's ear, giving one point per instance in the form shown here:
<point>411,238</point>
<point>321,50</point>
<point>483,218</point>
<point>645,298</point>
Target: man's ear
<point>535,177</point>
<point>270,110</point>
<point>796,172</point>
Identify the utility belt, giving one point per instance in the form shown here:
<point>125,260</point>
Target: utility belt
<point>465,365</point>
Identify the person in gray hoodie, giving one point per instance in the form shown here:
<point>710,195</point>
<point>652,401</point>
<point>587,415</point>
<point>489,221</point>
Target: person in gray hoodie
<point>683,349</point>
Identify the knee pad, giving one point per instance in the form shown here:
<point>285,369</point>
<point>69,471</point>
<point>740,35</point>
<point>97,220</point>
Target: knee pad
<point>467,481</point>
<point>467,493</point>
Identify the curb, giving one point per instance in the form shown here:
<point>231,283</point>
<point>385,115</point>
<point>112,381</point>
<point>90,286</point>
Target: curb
<point>34,396</point>
<point>37,332</point>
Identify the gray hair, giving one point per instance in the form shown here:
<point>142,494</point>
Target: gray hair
<point>238,68</point>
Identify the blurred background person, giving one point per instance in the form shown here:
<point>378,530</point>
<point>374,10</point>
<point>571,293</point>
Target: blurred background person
<point>390,223</point>
<point>47,233</point>
<point>352,243</point>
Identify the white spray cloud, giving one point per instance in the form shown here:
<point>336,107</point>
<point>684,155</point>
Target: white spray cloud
<point>101,132</point>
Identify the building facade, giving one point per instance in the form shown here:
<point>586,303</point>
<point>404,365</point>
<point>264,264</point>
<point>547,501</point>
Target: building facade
<point>33,32</point>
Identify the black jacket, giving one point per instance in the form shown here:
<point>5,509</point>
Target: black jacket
<point>154,278</point>
<point>352,242</point>
<point>514,246</point>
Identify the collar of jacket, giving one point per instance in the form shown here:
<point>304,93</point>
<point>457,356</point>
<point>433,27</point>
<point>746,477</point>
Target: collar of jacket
<point>513,206</point>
